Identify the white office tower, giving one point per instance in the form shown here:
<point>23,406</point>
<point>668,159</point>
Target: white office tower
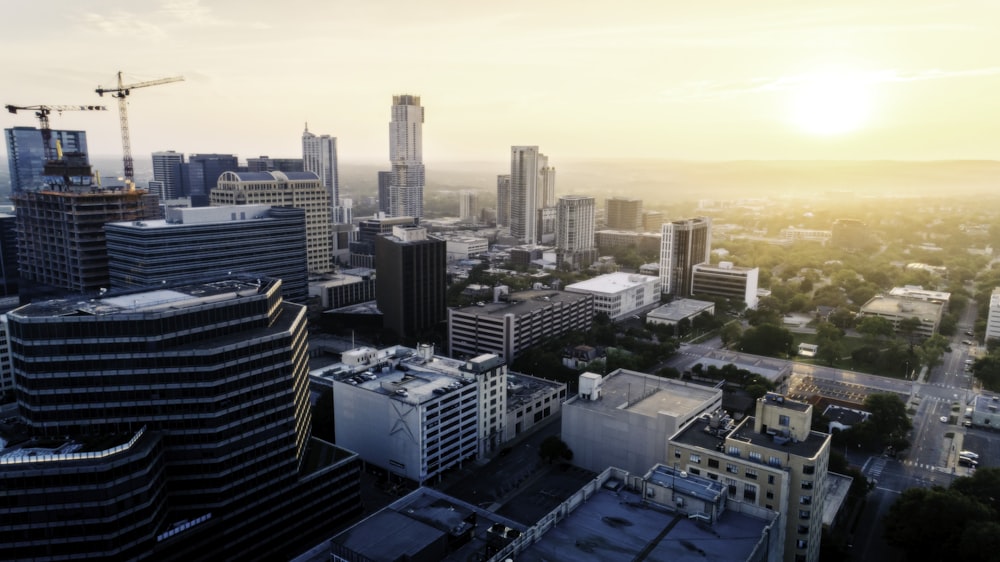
<point>468,206</point>
<point>575,228</point>
<point>406,153</point>
<point>683,245</point>
<point>319,155</point>
<point>993,319</point>
<point>167,181</point>
<point>531,181</point>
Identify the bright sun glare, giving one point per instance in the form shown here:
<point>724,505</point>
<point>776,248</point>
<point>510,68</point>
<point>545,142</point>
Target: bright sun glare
<point>831,103</point>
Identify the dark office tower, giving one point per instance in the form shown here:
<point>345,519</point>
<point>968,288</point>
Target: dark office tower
<point>503,200</point>
<point>319,156</point>
<point>268,164</point>
<point>683,245</point>
<point>167,181</point>
<point>363,249</point>
<point>410,268</point>
<point>406,150</point>
<point>200,242</point>
<point>60,237</point>
<point>26,155</point>
<point>8,256</point>
<point>621,213</point>
<point>201,175</point>
<point>182,421</point>
<point>384,179</point>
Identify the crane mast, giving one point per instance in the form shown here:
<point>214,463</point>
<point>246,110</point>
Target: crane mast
<point>121,93</point>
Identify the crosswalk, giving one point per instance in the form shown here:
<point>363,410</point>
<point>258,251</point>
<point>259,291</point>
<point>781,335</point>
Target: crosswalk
<point>920,465</point>
<point>875,470</point>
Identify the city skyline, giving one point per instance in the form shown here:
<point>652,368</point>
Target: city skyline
<point>896,80</point>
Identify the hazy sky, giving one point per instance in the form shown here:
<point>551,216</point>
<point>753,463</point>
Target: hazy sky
<point>715,80</point>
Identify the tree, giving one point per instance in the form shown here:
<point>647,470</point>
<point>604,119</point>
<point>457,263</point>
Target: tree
<point>766,339</point>
<point>875,327</point>
<point>730,333</point>
<point>553,448</point>
<point>908,327</point>
<point>889,422</point>
<point>928,523</point>
<point>987,370</point>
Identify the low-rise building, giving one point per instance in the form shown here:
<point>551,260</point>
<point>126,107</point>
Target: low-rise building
<point>530,401</point>
<point>620,294</point>
<point>344,288</point>
<point>679,309</point>
<point>625,418</point>
<point>508,326</point>
<point>895,309</point>
<point>726,280</point>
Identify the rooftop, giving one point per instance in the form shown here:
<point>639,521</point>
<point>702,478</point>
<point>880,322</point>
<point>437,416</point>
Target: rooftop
<point>172,298</point>
<point>612,283</point>
<point>523,389</point>
<point>648,395</point>
<point>421,519</point>
<point>521,302</point>
<point>901,306</point>
<point>700,433</point>
<point>618,526</point>
<point>679,309</point>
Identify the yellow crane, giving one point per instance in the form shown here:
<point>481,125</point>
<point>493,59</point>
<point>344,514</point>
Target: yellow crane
<point>121,92</point>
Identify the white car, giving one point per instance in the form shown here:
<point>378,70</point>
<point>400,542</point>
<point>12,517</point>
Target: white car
<point>944,419</point>
<point>969,455</point>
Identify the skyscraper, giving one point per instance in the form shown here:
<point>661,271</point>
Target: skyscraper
<point>575,229</point>
<point>200,242</point>
<point>406,153</point>
<point>319,155</point>
<point>26,154</point>
<point>201,175</point>
<point>532,183</point>
<point>683,245</point>
<point>181,431</point>
<point>503,200</point>
<point>61,239</point>
<point>384,181</point>
<point>621,213</point>
<point>468,208</point>
<point>167,175</point>
<point>411,268</point>
<point>301,190</point>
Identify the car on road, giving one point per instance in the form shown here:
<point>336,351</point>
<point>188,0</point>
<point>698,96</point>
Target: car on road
<point>962,461</point>
<point>968,455</point>
<point>970,333</point>
<point>967,423</point>
<point>944,419</point>
<point>967,342</point>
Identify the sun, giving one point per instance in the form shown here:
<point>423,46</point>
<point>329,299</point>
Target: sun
<point>831,103</point>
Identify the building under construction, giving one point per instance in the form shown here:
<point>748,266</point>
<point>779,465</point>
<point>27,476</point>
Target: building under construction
<point>61,241</point>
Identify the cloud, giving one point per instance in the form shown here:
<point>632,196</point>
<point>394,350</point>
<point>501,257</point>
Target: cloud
<point>167,19</point>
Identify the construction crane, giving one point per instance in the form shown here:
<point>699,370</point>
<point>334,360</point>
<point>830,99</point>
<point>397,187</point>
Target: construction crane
<point>42,112</point>
<point>122,92</point>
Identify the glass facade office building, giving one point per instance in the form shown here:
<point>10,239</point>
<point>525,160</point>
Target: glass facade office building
<point>26,154</point>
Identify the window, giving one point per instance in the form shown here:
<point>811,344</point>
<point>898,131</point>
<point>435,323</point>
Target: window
<point>713,476</point>
<point>801,543</point>
<point>803,529</point>
<point>770,495</point>
<point>807,485</point>
<point>750,493</point>
<point>783,420</point>
<point>755,456</point>
<point>774,461</point>
<point>731,484</point>
<point>804,514</point>
<point>730,467</point>
<point>770,479</point>
<point>713,463</point>
<point>694,471</point>
<point>695,458</point>
<point>677,453</point>
<point>808,469</point>
<point>751,474</point>
<point>806,500</point>
<point>733,450</point>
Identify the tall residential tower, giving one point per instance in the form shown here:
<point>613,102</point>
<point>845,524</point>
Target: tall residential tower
<point>684,244</point>
<point>406,153</point>
<point>532,188</point>
<point>319,155</point>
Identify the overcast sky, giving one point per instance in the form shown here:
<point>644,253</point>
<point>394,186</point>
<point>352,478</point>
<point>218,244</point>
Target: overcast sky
<point>714,80</point>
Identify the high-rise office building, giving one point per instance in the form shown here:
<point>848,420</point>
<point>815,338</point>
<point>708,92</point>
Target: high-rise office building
<point>268,164</point>
<point>176,424</point>
<point>575,229</point>
<point>201,242</point>
<point>363,248</point>
<point>61,240</point>
<point>201,175</point>
<point>301,190</point>
<point>622,213</point>
<point>503,200</point>
<point>532,183</point>
<point>468,206</point>
<point>26,155</point>
<point>406,153</point>
<point>411,268</point>
<point>652,221</point>
<point>319,155</point>
<point>683,244</point>
<point>384,181</point>
<point>9,276</point>
<point>168,183</point>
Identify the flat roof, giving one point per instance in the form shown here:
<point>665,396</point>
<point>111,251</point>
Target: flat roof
<point>767,367</point>
<point>175,297</point>
<point>648,395</point>
<point>900,306</point>
<point>617,526</point>
<point>837,488</point>
<point>697,434</point>
<point>521,302</point>
<point>523,389</point>
<point>419,519</point>
<point>401,368</point>
<point>612,282</point>
<point>681,308</point>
